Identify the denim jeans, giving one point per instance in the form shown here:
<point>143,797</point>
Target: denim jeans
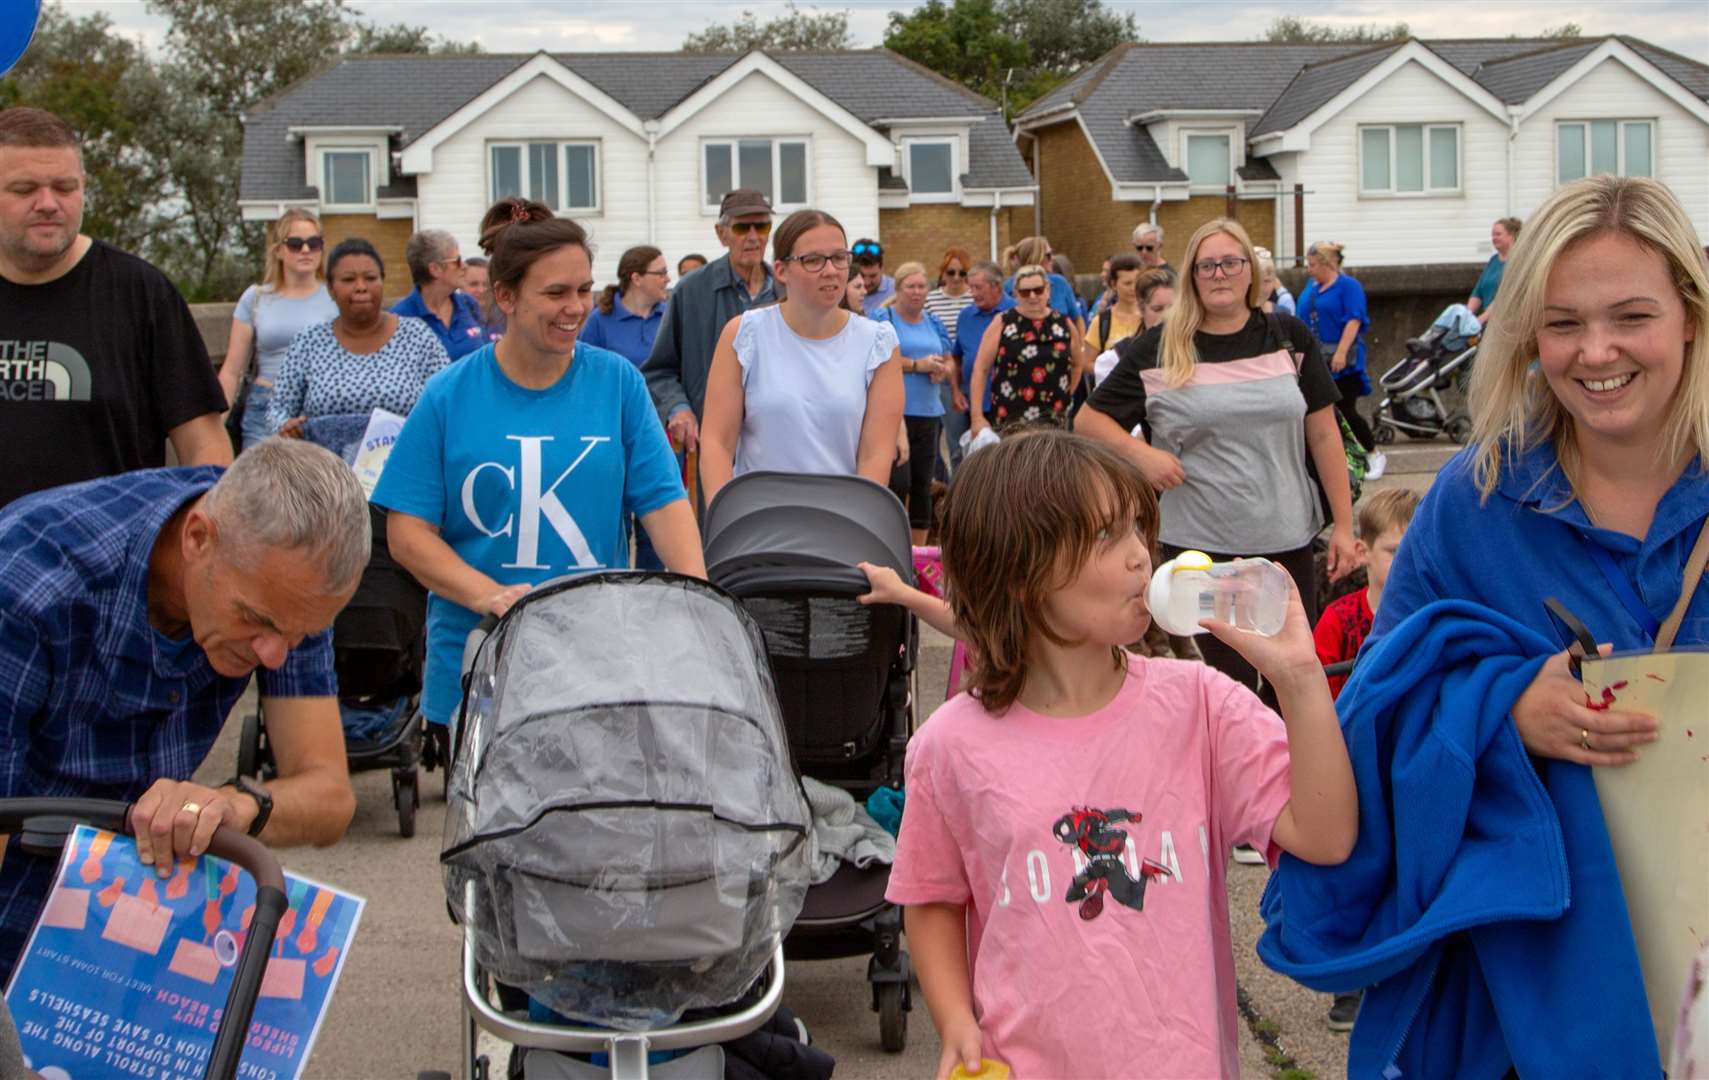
<point>255,426</point>
<point>955,423</point>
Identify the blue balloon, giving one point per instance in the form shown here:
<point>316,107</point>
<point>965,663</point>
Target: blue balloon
<point>17,26</point>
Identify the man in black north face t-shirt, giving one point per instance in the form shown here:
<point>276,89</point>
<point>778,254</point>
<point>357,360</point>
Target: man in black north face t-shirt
<point>100,360</point>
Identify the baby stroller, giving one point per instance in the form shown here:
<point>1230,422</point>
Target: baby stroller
<point>1435,360</point>
<point>787,546</point>
<point>378,643</point>
<point>626,838</point>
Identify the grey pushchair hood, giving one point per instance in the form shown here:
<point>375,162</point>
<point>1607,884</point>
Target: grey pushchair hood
<point>626,836</point>
<point>771,530</point>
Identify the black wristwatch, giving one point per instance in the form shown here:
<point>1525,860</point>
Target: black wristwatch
<point>263,801</point>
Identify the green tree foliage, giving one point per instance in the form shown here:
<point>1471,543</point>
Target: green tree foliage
<point>1012,50</point>
<point>106,89</point>
<point>400,38</point>
<point>793,31</point>
<point>1292,29</point>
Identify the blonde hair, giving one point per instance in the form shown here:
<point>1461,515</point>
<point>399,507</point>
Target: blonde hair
<point>1514,410</point>
<point>1386,510</point>
<point>1327,249</point>
<point>1178,353</point>
<point>1031,251</point>
<point>274,275</point>
<point>1028,270</point>
<point>906,270</point>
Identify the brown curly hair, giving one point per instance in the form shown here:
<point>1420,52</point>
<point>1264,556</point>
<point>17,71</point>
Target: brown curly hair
<point>1002,555</point>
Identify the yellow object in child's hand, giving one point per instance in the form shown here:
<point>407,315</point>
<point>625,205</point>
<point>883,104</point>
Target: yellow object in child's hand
<point>989,1069</point>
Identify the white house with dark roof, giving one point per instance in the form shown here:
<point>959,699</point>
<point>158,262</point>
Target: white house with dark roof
<point>1405,152</point>
<point>639,147</point>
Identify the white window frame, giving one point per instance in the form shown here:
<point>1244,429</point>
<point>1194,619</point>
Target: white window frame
<point>1232,134</point>
<point>777,141</point>
<point>1621,123</point>
<point>1429,192</point>
<point>955,168</point>
<point>563,193</point>
<point>378,173</point>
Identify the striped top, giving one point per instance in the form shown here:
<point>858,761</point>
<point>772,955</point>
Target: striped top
<point>948,308</point>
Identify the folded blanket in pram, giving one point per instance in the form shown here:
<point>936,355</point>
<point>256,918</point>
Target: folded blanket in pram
<point>1458,326</point>
<point>842,832</point>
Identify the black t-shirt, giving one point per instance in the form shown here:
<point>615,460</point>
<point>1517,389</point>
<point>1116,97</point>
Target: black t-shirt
<point>1121,396</point>
<point>95,368</point>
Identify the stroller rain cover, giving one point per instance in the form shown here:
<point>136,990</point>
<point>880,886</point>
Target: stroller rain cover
<point>626,834</point>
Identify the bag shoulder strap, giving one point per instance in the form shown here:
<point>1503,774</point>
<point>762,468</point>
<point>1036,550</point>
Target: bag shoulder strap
<point>1106,318</point>
<point>1278,333</point>
<point>1687,589</point>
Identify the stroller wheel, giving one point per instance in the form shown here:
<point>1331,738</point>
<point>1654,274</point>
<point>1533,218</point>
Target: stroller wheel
<point>1459,429</point>
<point>892,1017</point>
<point>249,746</point>
<point>1382,434</point>
<point>406,796</point>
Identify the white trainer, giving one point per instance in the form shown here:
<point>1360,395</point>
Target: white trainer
<point>1376,464</point>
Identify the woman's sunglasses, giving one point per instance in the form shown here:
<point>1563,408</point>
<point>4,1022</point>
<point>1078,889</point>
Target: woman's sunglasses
<point>954,273</point>
<point>298,243</point>
<point>1030,290</point>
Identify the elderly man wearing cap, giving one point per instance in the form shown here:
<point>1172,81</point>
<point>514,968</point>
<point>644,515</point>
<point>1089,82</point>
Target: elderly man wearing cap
<point>701,305</point>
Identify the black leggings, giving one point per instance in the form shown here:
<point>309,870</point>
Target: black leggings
<point>912,482</point>
<point>1302,567</point>
<point>1348,406</point>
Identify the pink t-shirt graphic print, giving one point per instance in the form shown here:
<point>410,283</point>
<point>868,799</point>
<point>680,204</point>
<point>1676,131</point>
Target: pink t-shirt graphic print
<point>1090,853</point>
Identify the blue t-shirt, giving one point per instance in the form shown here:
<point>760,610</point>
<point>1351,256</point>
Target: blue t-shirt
<point>465,334</point>
<point>916,340</point>
<point>1544,539</point>
<point>1489,282</point>
<point>1062,296</point>
<point>1328,311</point>
<point>525,485</point>
<point>970,327</point>
<point>624,332</point>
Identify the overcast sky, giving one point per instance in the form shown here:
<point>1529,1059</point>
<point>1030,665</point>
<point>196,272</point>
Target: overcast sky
<point>599,25</point>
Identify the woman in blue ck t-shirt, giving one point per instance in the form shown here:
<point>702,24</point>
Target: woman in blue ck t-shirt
<point>521,462</point>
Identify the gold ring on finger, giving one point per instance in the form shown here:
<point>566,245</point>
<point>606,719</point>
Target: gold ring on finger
<point>1584,738</point>
<point>191,807</point>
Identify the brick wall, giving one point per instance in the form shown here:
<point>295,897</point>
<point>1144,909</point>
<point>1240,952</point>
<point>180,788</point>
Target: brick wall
<point>388,237</point>
<point>1086,224</point>
<point>921,233</point>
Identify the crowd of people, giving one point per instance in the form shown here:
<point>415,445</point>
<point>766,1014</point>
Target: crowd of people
<point>1055,450</point>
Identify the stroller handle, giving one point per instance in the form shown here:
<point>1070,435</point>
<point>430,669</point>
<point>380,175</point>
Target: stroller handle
<point>42,826</point>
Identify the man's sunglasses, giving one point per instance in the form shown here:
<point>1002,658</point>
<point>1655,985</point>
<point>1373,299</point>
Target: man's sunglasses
<point>1145,247</point>
<point>867,249</point>
<point>298,243</point>
<point>743,228</point>
<point>1030,290</point>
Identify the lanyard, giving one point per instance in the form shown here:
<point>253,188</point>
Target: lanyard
<point>1622,586</point>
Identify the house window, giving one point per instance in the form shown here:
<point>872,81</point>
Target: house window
<point>929,166</point>
<point>1210,161</point>
<point>777,168</point>
<point>563,175</point>
<point>347,178</point>
<point>1409,159</point>
<point>1596,147</point>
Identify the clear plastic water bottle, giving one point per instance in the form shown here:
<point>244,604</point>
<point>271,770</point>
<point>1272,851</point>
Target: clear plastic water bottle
<point>1252,594</point>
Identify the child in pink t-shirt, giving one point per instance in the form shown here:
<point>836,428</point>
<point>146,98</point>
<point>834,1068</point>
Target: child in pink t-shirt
<point>1069,818</point>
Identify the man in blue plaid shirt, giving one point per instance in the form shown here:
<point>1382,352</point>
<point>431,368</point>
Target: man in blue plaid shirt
<point>133,611</point>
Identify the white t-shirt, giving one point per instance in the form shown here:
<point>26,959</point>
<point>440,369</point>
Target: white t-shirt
<point>805,399</point>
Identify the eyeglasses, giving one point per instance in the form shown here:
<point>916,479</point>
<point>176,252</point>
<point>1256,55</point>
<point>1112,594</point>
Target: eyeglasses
<point>815,261</point>
<point>298,243</point>
<point>743,228</point>
<point>455,260</point>
<point>666,274</point>
<point>1145,247</point>
<point>954,273</point>
<point>1030,290</point>
<point>865,248</point>
<point>1230,265</point>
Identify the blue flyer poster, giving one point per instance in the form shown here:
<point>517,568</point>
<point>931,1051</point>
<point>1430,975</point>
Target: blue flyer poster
<point>126,972</point>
